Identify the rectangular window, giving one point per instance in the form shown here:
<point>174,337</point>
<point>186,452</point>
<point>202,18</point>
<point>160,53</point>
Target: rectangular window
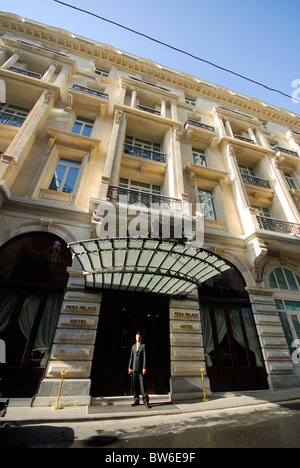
<point>13,115</point>
<point>65,176</point>
<point>290,180</point>
<point>199,157</point>
<point>83,126</point>
<point>207,204</point>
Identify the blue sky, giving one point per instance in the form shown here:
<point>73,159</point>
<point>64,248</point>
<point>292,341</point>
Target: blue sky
<point>259,38</point>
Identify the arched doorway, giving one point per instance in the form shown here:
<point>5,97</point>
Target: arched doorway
<point>33,276</point>
<point>121,317</point>
<point>232,351</point>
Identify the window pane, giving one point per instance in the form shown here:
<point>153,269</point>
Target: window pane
<point>273,283</point>
<point>287,330</point>
<point>291,280</point>
<point>280,278</point>
<point>71,181</point>
<point>58,178</point>
<point>87,130</point>
<point>76,128</point>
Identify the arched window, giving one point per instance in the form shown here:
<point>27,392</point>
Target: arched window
<point>288,303</point>
<point>284,279</point>
<point>33,276</point>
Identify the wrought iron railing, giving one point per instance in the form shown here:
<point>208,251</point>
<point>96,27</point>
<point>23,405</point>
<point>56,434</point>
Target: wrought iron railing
<point>257,181</point>
<point>150,200</point>
<point>90,91</point>
<point>277,225</point>
<point>286,151</point>
<point>145,153</point>
<point>245,139</point>
<point>148,109</point>
<point>21,71</point>
<point>11,119</point>
<point>195,123</point>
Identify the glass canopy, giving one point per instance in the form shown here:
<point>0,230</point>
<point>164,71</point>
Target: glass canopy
<point>145,265</point>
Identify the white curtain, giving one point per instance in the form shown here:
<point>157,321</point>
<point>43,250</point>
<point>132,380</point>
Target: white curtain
<point>7,302</point>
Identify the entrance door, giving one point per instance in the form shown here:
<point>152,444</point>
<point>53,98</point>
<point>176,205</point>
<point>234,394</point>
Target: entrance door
<point>233,355</point>
<point>121,317</point>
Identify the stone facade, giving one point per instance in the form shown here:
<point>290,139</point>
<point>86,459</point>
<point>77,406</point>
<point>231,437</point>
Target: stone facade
<point>119,120</point>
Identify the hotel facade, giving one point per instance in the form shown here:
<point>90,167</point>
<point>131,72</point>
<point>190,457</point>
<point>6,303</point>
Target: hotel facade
<point>109,163</point>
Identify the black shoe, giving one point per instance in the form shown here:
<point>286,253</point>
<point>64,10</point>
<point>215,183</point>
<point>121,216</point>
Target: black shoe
<point>136,403</point>
<point>147,404</point>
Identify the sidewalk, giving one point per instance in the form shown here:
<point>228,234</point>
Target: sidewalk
<point>19,411</point>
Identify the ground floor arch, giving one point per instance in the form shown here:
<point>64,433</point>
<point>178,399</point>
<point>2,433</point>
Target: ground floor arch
<point>33,276</point>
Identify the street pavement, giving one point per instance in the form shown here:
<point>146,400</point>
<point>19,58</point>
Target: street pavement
<point>239,419</point>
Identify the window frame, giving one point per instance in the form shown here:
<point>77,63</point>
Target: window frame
<point>207,195</point>
<point>84,123</point>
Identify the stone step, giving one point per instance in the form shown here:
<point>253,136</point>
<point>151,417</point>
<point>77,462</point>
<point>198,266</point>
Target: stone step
<point>127,400</point>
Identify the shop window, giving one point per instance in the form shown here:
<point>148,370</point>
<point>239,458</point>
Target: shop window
<point>284,279</point>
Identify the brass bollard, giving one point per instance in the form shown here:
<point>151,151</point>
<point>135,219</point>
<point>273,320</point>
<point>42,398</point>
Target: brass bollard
<point>202,370</point>
<point>58,406</point>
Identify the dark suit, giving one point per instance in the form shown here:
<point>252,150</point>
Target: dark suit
<point>137,363</point>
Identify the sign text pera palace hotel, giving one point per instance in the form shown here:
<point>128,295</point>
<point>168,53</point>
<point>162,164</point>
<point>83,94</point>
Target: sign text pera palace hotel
<point>134,198</point>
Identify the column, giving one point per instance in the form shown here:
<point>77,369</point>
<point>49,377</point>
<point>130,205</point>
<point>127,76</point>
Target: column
<point>187,351</point>
<point>11,61</point>
<point>49,73</point>
<point>229,129</point>
<point>22,144</point>
<point>73,347</point>
<point>252,135</point>
<point>133,98</point>
<point>163,105</point>
<point>111,164</point>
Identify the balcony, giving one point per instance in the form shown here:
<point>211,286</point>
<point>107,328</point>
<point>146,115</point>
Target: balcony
<point>277,225</point>
<point>256,181</point>
<point>150,200</point>
<point>245,139</point>
<point>145,153</point>
<point>11,119</point>
<point>193,131</point>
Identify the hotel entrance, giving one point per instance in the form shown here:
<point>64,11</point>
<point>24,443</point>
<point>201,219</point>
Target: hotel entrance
<point>121,317</point>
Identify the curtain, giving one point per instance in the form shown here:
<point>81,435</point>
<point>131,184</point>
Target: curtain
<point>45,335</point>
<point>238,333</point>
<point>208,340</point>
<point>252,337</point>
<point>7,302</point>
<point>28,314</point>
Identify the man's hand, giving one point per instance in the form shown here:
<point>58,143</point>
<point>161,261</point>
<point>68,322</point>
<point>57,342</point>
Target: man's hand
<point>144,372</point>
<point>130,371</point>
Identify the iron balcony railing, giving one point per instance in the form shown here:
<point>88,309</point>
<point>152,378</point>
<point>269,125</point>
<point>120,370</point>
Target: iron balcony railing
<point>90,91</point>
<point>257,181</point>
<point>21,71</point>
<point>201,125</point>
<point>148,109</point>
<point>245,139</point>
<point>286,151</point>
<point>277,225</point>
<point>11,119</point>
<point>150,200</point>
<point>145,153</point>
